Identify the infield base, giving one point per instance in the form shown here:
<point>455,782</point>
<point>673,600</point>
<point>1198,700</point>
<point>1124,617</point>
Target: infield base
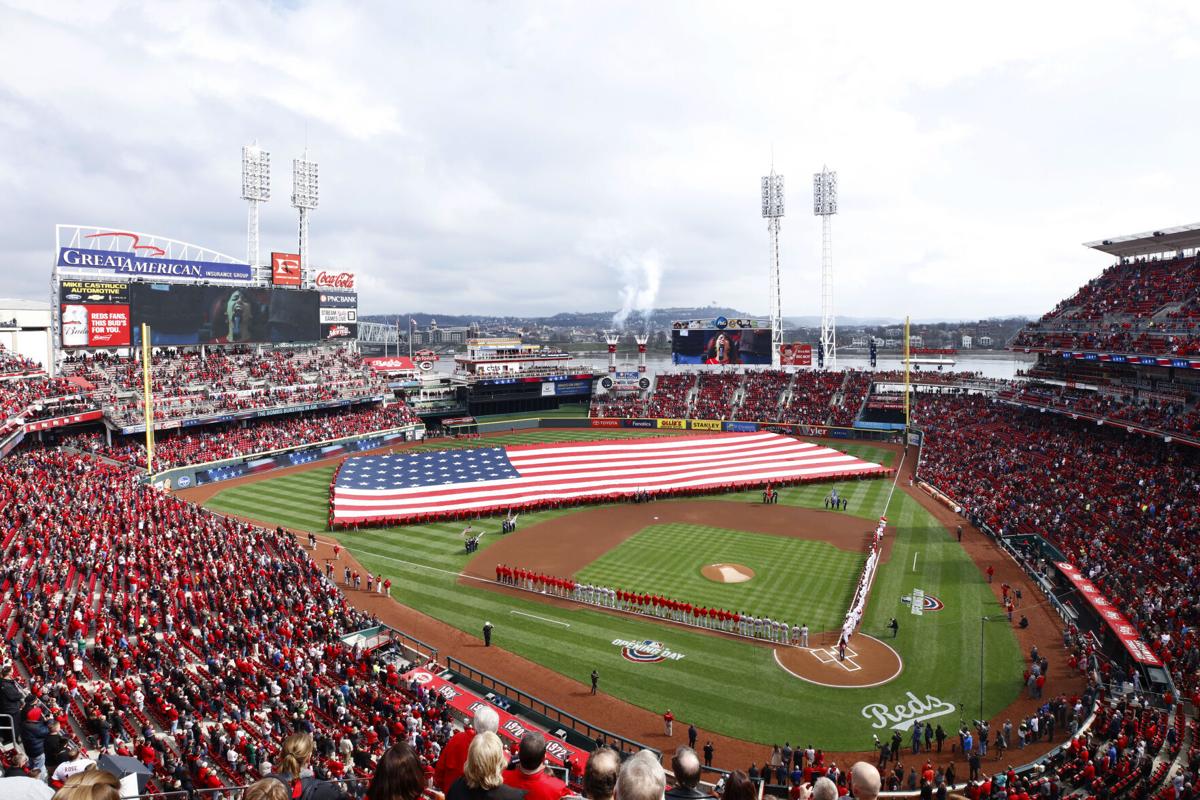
<point>727,573</point>
<point>868,662</point>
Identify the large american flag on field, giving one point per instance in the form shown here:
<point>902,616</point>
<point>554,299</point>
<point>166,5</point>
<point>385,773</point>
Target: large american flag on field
<point>464,482</point>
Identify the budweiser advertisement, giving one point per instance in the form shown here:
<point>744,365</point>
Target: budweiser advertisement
<point>94,313</point>
<point>285,269</point>
<point>1121,627</point>
<point>334,280</point>
<point>795,355</point>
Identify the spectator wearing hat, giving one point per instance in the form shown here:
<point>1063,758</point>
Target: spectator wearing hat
<point>33,735</point>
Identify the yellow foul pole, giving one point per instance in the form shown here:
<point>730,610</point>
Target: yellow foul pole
<point>907,367</point>
<point>148,398</point>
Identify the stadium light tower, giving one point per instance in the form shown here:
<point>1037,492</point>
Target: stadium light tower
<point>772,211</point>
<point>256,188</point>
<point>825,206</point>
<point>304,198</point>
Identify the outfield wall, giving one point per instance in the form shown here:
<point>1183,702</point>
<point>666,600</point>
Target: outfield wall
<point>268,461</point>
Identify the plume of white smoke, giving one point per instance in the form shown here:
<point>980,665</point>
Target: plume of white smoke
<point>640,277</point>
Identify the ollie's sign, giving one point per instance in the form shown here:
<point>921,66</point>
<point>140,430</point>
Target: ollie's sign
<point>334,280</point>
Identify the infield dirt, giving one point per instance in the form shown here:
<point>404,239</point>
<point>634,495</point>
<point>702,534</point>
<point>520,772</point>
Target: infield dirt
<point>643,725</point>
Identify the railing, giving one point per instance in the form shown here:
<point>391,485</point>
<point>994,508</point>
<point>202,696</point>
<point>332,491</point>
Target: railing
<point>8,729</point>
<point>586,729</point>
<point>354,787</point>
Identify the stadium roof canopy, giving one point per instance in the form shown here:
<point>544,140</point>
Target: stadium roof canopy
<point>1166,240</point>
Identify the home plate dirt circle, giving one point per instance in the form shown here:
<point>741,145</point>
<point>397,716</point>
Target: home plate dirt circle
<point>727,573</point>
<point>868,661</point>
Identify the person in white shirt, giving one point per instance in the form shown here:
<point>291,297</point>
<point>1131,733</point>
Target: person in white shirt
<point>77,761</point>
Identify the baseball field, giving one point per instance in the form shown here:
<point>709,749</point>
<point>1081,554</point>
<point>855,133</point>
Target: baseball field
<point>804,561</point>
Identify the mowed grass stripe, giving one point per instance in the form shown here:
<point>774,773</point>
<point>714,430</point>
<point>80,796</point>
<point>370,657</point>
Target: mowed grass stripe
<point>725,685</point>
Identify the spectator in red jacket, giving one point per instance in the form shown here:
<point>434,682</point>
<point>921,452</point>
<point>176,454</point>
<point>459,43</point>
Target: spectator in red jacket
<point>529,775</point>
<point>454,754</point>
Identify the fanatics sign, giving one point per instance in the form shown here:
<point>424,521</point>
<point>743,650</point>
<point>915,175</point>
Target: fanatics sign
<point>285,269</point>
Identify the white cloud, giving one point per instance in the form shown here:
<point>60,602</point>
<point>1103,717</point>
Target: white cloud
<point>506,158</point>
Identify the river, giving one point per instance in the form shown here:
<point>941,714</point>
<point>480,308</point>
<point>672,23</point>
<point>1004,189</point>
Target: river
<point>992,364</point>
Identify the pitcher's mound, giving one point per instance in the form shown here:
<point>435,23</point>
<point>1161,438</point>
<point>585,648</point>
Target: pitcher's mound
<point>727,573</point>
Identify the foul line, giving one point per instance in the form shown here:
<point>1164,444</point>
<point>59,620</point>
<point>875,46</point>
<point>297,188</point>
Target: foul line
<point>896,480</point>
<point>543,619</point>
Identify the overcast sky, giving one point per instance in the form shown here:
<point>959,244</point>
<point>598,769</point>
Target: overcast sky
<point>529,158</point>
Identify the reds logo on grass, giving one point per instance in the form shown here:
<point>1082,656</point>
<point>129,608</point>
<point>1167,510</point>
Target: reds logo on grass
<point>931,602</point>
<point>646,651</point>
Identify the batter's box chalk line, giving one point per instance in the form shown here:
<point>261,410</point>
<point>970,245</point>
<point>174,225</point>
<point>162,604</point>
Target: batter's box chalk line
<point>828,655</point>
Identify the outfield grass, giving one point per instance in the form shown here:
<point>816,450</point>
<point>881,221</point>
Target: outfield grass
<point>567,410</point>
<point>723,685</point>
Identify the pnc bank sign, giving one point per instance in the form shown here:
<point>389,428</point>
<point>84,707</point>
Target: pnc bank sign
<point>134,265</point>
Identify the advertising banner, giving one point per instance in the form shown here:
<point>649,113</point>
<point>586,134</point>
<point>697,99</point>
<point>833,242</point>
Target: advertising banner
<point>339,315</point>
<point>795,355</point>
<point>333,316</point>
<point>643,423</point>
<point>390,364</point>
<point>673,424</point>
<point>339,300</point>
<point>1125,632</point>
<point>58,422</point>
<point>569,388</point>
<point>336,332</point>
<point>512,729</point>
<point>605,423</point>
<point>181,314</point>
<point>729,346</point>
<point>94,313</point>
<point>335,280</point>
<point>705,425</point>
<point>285,269</point>
<point>129,265</point>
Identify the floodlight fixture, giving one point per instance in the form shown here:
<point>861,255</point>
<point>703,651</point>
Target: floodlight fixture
<point>256,188</point>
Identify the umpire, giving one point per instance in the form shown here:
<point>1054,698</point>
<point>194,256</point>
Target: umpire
<point>487,634</point>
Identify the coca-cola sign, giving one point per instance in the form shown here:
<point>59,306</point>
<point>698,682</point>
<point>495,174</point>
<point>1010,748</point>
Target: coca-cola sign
<point>334,280</point>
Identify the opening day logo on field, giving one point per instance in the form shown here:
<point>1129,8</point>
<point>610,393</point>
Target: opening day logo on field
<point>645,651</point>
<point>931,602</point>
<point>903,715</point>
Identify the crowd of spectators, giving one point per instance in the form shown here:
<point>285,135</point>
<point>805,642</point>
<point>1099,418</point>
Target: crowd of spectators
<point>192,642</point>
<point>811,397</point>
<point>805,397</point>
<point>1120,506</point>
<point>183,446</point>
<point>188,383</point>
<point>1142,306</point>
<point>672,395</point>
<point>1171,414</point>
<point>39,397</point>
<point>715,393</point>
<point>16,364</point>
<point>762,393</point>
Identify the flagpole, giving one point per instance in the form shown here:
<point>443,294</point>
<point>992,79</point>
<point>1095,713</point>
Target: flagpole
<point>410,334</point>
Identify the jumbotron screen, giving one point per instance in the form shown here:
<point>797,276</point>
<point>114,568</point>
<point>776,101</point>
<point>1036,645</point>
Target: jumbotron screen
<point>181,314</point>
<point>729,346</point>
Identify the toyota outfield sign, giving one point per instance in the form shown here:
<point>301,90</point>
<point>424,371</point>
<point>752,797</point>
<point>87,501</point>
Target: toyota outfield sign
<point>133,265</point>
